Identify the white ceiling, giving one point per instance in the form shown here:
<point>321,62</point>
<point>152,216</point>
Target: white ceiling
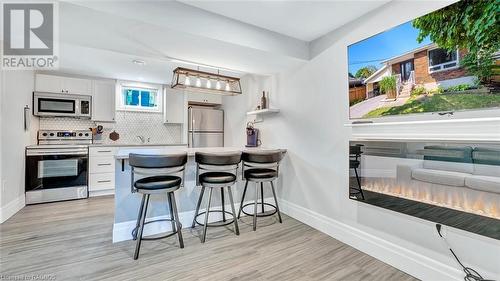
<point>304,20</point>
<point>101,38</point>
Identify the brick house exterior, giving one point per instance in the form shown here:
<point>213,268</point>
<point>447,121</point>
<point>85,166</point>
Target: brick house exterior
<point>422,75</point>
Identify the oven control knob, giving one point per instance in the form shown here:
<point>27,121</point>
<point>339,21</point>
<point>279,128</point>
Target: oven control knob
<point>86,134</point>
<point>80,134</point>
<point>44,134</point>
<point>51,134</point>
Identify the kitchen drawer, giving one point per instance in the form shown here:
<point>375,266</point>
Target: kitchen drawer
<point>104,164</point>
<point>102,181</point>
<point>102,151</point>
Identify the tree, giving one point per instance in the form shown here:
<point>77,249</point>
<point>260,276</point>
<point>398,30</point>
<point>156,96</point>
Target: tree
<point>469,24</point>
<point>366,71</point>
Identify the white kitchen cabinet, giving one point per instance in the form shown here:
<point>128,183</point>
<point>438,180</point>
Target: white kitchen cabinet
<point>103,100</point>
<point>174,106</point>
<point>77,86</point>
<point>62,84</point>
<point>48,83</point>
<point>204,98</point>
<point>101,170</point>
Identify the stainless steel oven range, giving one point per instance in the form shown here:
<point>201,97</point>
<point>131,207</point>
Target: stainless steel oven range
<point>57,168</point>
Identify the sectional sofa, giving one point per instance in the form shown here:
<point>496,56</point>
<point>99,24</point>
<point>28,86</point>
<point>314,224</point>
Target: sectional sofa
<point>464,178</point>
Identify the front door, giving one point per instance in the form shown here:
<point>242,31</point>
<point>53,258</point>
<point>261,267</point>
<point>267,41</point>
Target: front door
<point>406,69</point>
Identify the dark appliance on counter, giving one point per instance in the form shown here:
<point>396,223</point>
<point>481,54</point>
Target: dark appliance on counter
<point>57,168</point>
<point>252,135</point>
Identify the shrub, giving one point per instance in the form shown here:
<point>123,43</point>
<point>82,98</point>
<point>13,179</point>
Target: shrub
<point>419,90</point>
<point>458,88</point>
<point>388,86</point>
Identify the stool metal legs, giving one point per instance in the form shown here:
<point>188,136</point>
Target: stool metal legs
<point>141,221</point>
<point>243,199</point>
<point>143,212</point>
<point>236,228</point>
<point>206,216</point>
<point>198,206</point>
<point>134,233</point>
<point>175,216</point>
<point>255,207</point>
<point>206,224</point>
<point>262,203</point>
<point>276,201</point>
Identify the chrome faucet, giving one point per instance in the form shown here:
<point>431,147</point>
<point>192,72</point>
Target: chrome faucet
<point>141,138</point>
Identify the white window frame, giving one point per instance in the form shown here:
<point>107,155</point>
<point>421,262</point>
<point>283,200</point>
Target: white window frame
<point>121,106</point>
<point>442,64</point>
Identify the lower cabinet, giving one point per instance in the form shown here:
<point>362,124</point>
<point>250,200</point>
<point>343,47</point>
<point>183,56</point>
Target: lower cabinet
<point>101,171</point>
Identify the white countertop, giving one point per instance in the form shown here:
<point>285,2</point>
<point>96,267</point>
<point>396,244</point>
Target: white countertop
<point>136,144</point>
<point>124,152</point>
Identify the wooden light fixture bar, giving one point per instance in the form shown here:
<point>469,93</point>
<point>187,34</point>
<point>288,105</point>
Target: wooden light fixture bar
<point>205,81</point>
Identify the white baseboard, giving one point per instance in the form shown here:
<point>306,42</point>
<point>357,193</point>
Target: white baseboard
<point>12,208</point>
<point>406,260</point>
<point>101,192</point>
<point>122,230</point>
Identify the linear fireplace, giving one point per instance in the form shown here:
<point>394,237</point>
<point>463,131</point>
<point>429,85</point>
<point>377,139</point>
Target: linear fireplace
<point>451,183</point>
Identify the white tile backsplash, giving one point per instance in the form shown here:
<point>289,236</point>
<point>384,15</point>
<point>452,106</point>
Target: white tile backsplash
<point>128,124</point>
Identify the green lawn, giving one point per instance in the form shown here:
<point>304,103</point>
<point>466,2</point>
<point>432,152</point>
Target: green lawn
<point>439,102</point>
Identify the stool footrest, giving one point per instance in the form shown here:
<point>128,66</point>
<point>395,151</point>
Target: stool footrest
<point>264,214</point>
<point>216,224</point>
<point>170,233</point>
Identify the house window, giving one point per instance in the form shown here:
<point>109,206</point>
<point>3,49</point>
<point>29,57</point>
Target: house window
<point>139,99</point>
<point>441,59</point>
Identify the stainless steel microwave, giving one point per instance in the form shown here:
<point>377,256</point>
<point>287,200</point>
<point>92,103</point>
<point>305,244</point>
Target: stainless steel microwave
<point>62,105</point>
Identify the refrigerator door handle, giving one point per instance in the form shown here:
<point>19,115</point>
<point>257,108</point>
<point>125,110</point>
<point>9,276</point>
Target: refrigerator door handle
<point>192,126</point>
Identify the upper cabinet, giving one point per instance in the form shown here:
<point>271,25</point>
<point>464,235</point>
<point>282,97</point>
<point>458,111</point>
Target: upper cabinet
<point>61,84</point>
<point>174,105</point>
<point>103,100</point>
<point>204,98</point>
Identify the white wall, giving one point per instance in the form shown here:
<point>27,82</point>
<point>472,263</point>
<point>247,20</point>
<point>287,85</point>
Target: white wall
<point>16,92</point>
<point>311,125</point>
<point>236,107</point>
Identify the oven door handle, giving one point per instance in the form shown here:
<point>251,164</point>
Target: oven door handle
<point>48,153</point>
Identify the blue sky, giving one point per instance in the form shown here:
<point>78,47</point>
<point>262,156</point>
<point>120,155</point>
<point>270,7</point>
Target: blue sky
<point>373,50</point>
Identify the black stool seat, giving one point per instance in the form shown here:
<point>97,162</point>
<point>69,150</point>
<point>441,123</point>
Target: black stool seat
<point>217,177</point>
<point>260,173</point>
<point>158,182</point>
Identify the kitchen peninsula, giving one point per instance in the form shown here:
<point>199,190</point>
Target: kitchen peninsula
<point>127,203</point>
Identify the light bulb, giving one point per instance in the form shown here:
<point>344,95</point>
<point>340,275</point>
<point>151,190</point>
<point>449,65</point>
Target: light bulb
<point>227,86</point>
<point>209,84</point>
<point>217,85</point>
<point>198,82</point>
<point>187,82</point>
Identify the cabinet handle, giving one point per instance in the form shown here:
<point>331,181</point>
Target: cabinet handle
<point>104,151</point>
<point>103,181</point>
<point>105,164</point>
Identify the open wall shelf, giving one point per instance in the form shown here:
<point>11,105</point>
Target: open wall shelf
<point>263,111</point>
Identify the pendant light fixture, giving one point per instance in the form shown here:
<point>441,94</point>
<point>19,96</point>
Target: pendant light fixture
<point>224,85</point>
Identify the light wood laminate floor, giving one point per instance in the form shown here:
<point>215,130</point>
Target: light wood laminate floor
<point>72,241</point>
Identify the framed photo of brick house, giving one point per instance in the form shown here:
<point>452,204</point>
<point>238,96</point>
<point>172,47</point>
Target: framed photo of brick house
<point>403,72</point>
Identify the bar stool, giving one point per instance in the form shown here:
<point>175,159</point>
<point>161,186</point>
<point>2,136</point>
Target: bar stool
<point>260,167</point>
<point>161,178</point>
<point>354,163</point>
<point>216,171</point>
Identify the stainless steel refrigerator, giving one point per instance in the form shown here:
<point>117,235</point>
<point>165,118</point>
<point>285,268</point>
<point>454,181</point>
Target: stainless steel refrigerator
<point>205,127</point>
